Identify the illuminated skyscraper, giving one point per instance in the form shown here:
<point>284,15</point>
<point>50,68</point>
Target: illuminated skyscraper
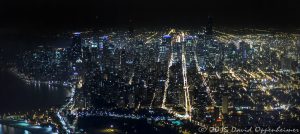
<point>231,53</point>
<point>164,47</point>
<point>95,51</point>
<point>225,104</point>
<point>244,49</point>
<point>189,48</point>
<point>76,55</point>
<point>166,39</point>
<point>286,62</point>
<point>131,100</point>
<point>104,52</point>
<point>166,42</point>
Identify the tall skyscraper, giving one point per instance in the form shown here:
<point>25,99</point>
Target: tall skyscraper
<point>243,51</point>
<point>131,29</point>
<point>166,42</point>
<point>95,51</point>
<point>225,104</point>
<point>166,39</point>
<point>131,99</point>
<point>189,48</point>
<point>209,26</point>
<point>76,55</point>
<point>286,62</point>
<point>164,48</point>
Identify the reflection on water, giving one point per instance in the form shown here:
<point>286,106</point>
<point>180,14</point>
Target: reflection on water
<point>10,130</point>
<point>17,96</point>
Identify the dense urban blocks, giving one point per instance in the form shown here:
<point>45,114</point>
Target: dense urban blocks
<point>171,80</point>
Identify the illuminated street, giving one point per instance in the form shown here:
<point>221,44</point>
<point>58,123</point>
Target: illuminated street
<point>147,67</point>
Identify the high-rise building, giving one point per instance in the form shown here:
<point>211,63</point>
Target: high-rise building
<point>95,52</point>
<point>209,26</point>
<point>225,104</point>
<point>286,62</point>
<point>244,49</point>
<point>164,48</point>
<point>231,53</point>
<point>104,52</point>
<point>166,39</point>
<point>189,49</point>
<point>131,100</point>
<point>131,28</point>
<point>76,55</point>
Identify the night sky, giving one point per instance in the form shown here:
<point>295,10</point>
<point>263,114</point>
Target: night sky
<point>62,14</point>
<point>27,23</point>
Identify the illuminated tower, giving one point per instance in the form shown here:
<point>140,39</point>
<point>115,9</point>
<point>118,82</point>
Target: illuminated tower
<point>164,47</point>
<point>131,100</point>
<point>189,48</point>
<point>76,55</point>
<point>103,47</point>
<point>95,51</point>
<point>243,51</point>
<point>166,42</point>
<point>225,104</point>
<point>166,39</point>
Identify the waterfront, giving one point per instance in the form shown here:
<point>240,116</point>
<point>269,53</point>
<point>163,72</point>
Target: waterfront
<point>6,129</point>
<point>17,96</point>
<point>94,125</point>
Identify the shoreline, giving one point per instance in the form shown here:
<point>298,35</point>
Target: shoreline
<point>23,125</point>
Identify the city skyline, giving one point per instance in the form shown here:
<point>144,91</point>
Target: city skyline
<point>195,78</point>
<point>149,67</point>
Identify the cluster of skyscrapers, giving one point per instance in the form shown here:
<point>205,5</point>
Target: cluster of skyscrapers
<point>209,77</point>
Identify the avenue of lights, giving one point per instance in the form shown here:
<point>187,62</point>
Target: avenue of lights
<point>171,76</point>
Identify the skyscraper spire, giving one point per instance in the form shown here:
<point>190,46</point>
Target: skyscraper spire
<point>209,26</point>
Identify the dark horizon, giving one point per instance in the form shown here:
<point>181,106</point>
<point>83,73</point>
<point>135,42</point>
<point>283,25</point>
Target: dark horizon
<point>59,15</point>
<point>26,22</point>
